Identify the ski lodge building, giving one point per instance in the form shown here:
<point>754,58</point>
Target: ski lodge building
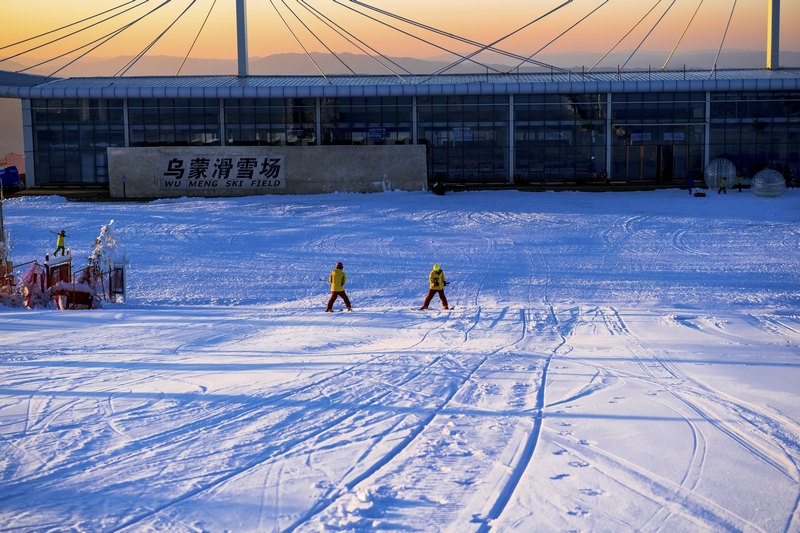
<point>637,128</point>
<point>243,134</point>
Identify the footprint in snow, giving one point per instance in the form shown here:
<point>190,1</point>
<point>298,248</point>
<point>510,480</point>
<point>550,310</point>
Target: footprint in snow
<point>560,452</point>
<point>559,476</point>
<point>591,492</point>
<point>578,464</point>
<point>578,511</point>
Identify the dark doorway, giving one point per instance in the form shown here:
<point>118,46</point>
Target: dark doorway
<point>666,164</point>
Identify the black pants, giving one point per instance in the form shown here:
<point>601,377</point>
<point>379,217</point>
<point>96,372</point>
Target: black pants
<point>333,297</point>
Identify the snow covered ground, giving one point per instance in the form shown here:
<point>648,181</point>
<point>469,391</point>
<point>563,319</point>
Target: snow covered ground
<point>614,361</point>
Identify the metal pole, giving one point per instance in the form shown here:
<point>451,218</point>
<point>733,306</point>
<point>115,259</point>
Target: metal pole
<point>241,37</point>
<point>707,133</point>
<point>3,244</point>
<point>511,131</point>
<point>773,33</point>
<point>609,152</point>
<point>2,229</point>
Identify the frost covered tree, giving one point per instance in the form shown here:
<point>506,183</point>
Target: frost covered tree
<point>100,260</point>
<point>105,245</point>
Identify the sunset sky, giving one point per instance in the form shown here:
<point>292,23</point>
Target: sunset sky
<point>480,21</point>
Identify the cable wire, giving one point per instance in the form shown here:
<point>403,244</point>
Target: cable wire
<point>334,54</point>
<point>333,25</point>
<point>592,12</point>
<point>73,33</point>
<point>448,35</point>
<point>66,26</point>
<point>501,39</point>
<point>104,40</point>
<point>214,3</point>
<point>137,57</point>
<point>298,40</point>
<point>626,35</point>
<point>411,35</point>
<point>648,34</point>
<point>682,36</point>
<point>722,43</point>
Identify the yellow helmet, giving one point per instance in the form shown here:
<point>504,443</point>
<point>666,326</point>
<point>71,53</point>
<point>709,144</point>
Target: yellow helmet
<point>437,267</point>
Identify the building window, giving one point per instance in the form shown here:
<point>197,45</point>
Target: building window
<point>559,137</point>
<point>173,122</point>
<point>70,137</point>
<point>466,136</point>
<point>270,121</point>
<point>757,130</point>
<point>657,137</point>
<point>374,120</point>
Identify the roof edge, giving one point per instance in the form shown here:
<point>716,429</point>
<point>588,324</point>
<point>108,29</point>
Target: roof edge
<point>26,86</point>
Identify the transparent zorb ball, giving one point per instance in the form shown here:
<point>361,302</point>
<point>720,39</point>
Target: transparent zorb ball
<point>769,183</point>
<point>718,169</point>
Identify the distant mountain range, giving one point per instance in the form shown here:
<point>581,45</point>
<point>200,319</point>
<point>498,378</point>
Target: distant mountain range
<point>299,64</point>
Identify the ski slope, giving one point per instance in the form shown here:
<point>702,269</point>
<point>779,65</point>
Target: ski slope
<point>614,362</point>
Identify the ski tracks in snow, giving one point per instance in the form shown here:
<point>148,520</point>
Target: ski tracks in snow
<point>712,416</point>
<point>434,460</point>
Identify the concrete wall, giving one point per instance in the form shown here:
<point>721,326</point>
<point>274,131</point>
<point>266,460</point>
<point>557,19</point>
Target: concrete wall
<point>154,172</point>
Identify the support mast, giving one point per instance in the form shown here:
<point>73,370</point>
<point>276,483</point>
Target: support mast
<point>241,37</point>
<point>773,33</point>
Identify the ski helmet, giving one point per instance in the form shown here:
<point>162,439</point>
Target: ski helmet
<point>437,267</point>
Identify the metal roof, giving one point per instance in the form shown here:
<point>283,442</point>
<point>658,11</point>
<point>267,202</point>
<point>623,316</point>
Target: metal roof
<point>23,86</point>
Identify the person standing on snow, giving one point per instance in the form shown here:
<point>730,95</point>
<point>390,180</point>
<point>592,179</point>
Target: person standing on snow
<point>723,186</point>
<point>437,283</point>
<point>60,243</point>
<point>338,279</point>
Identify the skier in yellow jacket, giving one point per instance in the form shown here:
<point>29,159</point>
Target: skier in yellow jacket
<point>437,283</point>
<point>338,278</point>
<point>60,243</point>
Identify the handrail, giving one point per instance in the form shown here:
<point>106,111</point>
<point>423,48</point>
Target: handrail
<point>13,266</point>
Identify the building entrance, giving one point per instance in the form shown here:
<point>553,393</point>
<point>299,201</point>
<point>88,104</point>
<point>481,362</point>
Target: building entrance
<point>659,163</point>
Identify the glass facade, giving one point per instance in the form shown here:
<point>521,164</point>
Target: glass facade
<point>70,138</point>
<point>173,122</point>
<point>657,137</point>
<point>559,137</point>
<point>377,120</point>
<point>757,131</point>
<point>270,121</point>
<point>466,136</point>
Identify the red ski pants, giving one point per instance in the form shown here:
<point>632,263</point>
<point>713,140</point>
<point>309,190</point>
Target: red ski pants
<point>335,295</point>
<point>430,295</point>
